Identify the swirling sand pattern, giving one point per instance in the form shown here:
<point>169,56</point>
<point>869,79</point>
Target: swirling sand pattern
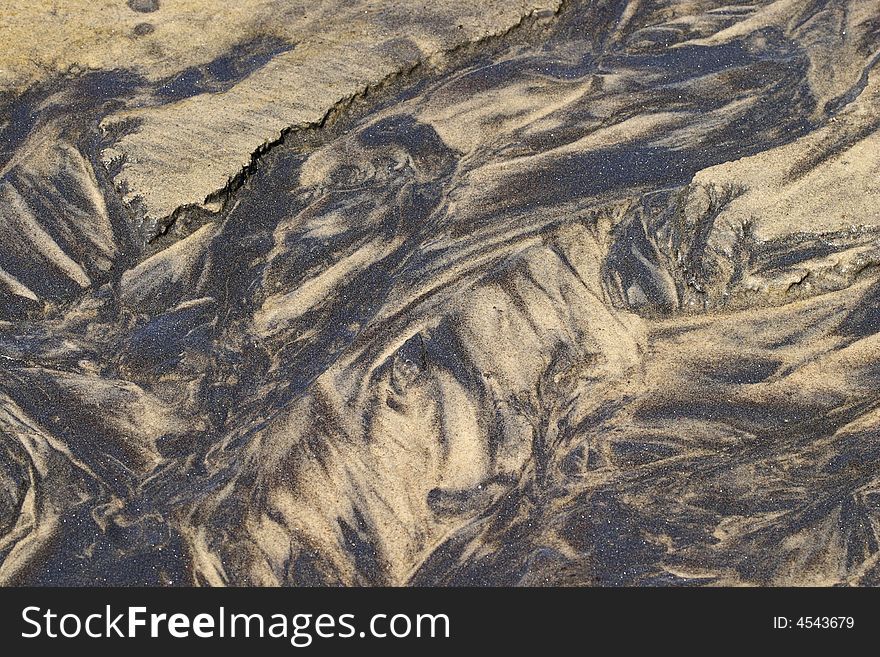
<point>592,300</point>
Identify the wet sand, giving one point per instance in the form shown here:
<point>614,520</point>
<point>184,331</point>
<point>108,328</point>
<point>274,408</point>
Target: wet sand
<point>525,294</point>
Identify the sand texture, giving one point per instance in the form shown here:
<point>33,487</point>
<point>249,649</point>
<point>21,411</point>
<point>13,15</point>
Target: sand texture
<point>518,292</point>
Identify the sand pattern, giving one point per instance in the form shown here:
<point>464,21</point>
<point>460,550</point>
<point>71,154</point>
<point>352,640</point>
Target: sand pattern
<point>536,293</point>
